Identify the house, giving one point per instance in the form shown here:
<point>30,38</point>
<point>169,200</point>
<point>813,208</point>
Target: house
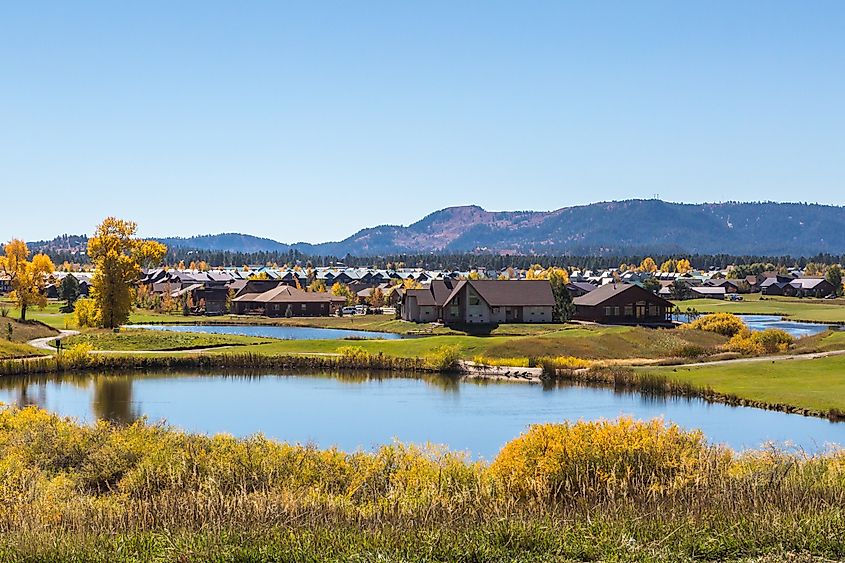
<point>480,302</point>
<point>778,285</point>
<point>617,303</point>
<point>577,288</point>
<point>708,292</point>
<point>284,300</point>
<point>812,287</point>
<point>425,305</point>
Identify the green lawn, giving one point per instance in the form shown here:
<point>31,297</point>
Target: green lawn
<point>9,350</point>
<point>138,339</point>
<point>49,315</point>
<point>804,309</point>
<point>817,384</point>
<point>591,342</point>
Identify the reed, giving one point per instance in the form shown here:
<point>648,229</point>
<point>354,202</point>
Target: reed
<point>611,490</point>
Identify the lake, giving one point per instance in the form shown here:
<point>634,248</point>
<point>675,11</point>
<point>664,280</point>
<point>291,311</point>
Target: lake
<point>362,411</point>
<point>281,332</point>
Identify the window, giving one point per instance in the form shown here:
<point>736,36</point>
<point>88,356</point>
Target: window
<point>473,300</point>
<point>608,311</point>
<point>629,310</point>
<point>303,306</point>
<point>616,311</point>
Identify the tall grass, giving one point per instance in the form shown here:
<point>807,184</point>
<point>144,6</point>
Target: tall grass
<point>620,490</point>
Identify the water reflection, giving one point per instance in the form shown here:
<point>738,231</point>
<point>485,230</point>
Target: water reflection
<point>361,410</point>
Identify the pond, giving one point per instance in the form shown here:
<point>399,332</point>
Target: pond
<point>762,322</point>
<point>282,332</point>
<point>363,411</point>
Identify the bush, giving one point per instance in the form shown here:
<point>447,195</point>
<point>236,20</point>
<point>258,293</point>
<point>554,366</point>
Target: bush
<point>604,458</point>
<point>725,324</point>
<point>768,341</point>
<point>444,358</point>
<point>689,351</point>
<point>502,362</point>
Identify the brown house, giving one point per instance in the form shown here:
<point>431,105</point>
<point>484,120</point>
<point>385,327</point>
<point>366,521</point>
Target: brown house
<point>618,303</point>
<point>481,302</point>
<point>284,301</point>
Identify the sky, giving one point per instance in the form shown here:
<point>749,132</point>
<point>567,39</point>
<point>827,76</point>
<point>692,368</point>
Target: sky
<point>306,121</point>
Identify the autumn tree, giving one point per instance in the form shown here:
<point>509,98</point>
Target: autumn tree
<point>648,265</point>
<point>376,299</point>
<point>117,258</point>
<point>563,308</point>
<point>683,266</point>
<point>27,278</point>
<point>343,290</point>
<point>317,286</point>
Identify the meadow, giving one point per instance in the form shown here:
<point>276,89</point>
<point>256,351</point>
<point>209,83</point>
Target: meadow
<point>610,490</point>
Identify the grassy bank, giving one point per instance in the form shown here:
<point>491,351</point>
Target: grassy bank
<point>620,491</point>
<point>139,339</point>
<point>814,384</point>
<point>9,350</point>
<point>590,342</point>
<point>804,309</point>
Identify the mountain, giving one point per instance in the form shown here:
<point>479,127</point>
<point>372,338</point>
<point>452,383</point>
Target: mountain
<point>617,227</point>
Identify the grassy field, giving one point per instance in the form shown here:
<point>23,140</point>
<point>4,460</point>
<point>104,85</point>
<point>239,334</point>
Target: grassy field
<point>139,339</point>
<point>634,491</point>
<point>816,384</point>
<point>590,342</point>
<point>804,309</point>
<point>10,350</point>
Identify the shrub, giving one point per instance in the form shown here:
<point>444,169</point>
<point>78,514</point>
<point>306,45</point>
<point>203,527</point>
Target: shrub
<point>689,351</point>
<point>4,312</point>
<point>443,358</point>
<point>503,362</point>
<point>768,341</point>
<point>725,324</point>
<point>76,357</point>
<point>603,458</point>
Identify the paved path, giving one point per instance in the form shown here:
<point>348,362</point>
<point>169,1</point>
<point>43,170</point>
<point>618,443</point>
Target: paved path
<point>44,343</point>
<point>779,358</point>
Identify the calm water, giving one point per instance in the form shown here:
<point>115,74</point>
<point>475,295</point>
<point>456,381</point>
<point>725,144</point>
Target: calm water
<point>361,412</point>
<point>762,322</point>
<point>798,330</point>
<point>283,332</point>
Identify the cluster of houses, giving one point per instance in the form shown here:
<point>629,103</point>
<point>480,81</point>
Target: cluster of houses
<point>454,297</point>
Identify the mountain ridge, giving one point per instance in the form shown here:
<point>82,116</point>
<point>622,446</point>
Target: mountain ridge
<point>634,226</point>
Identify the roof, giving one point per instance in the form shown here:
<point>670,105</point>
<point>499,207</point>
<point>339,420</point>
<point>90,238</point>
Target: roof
<point>288,294</point>
<point>806,283</point>
<point>584,286</point>
<point>610,290</point>
<point>510,293</point>
<point>424,297</point>
<point>709,290</point>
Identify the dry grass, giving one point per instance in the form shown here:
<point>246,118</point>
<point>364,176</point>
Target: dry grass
<point>622,491</point>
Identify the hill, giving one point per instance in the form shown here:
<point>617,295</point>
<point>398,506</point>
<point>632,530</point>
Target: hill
<point>617,227</point>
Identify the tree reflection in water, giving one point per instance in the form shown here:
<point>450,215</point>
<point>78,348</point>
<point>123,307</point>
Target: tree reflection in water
<point>112,399</point>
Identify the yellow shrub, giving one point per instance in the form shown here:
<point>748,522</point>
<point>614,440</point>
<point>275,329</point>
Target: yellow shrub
<point>614,458</point>
<point>354,354</point>
<point>504,362</point>
<point>768,341</point>
<point>443,358</point>
<point>725,324</point>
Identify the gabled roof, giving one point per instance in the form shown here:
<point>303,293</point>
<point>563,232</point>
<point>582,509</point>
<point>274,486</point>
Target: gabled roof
<point>288,294</point>
<point>611,290</point>
<point>509,293</point>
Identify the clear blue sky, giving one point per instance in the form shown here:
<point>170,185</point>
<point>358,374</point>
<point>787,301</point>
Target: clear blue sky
<point>310,120</point>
